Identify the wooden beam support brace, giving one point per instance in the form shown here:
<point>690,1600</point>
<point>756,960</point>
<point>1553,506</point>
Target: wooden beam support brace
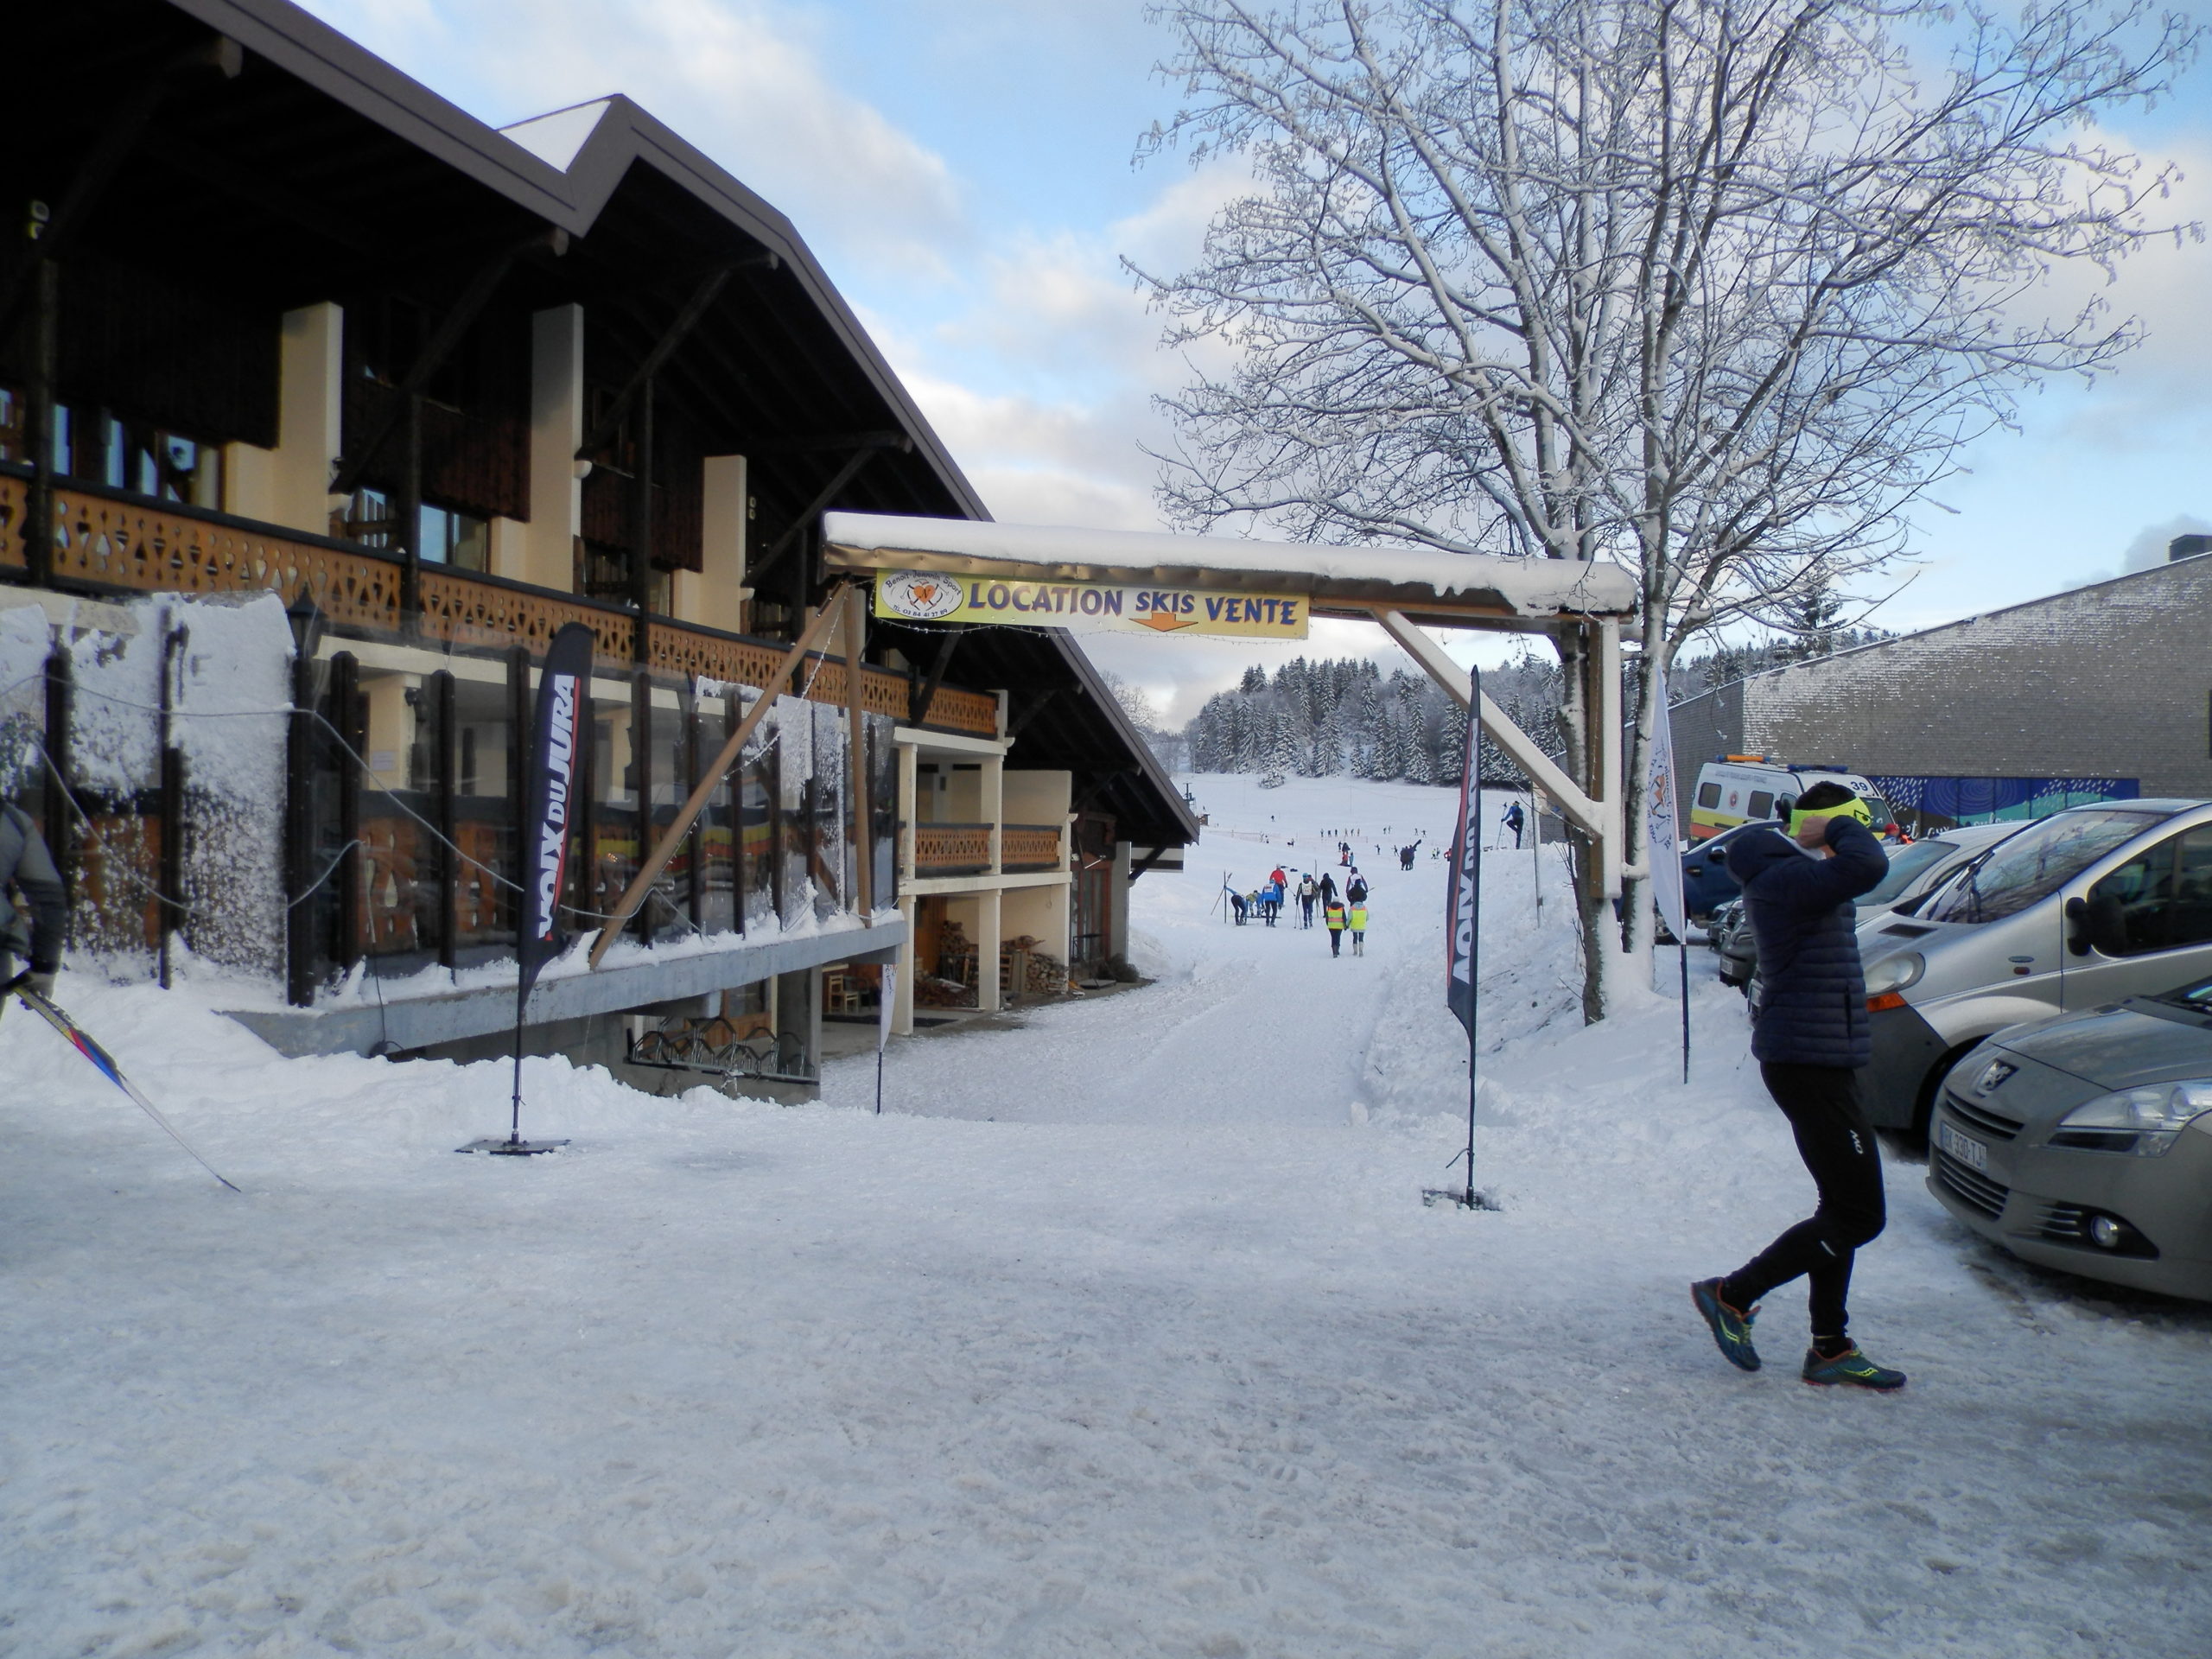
<point>1586,815</point>
<point>917,707</point>
<point>844,475</point>
<point>709,289</point>
<point>348,477</point>
<point>672,838</point>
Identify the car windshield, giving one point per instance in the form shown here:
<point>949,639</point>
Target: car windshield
<point>2197,997</point>
<point>1907,864</point>
<point>2032,864</point>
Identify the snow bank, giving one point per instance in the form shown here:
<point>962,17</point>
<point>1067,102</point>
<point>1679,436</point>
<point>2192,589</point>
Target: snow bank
<point>1124,1330</point>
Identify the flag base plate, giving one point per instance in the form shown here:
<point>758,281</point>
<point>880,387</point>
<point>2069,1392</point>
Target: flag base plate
<point>1432,1196</point>
<point>510,1148</point>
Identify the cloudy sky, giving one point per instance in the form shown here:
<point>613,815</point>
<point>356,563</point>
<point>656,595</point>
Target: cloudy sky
<point>963,168</point>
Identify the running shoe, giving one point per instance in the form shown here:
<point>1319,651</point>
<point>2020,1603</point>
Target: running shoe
<point>1732,1331</point>
<point>1852,1369</point>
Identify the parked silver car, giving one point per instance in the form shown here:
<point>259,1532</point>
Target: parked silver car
<point>1915,869</point>
<point>2085,1142</point>
<point>2089,907</point>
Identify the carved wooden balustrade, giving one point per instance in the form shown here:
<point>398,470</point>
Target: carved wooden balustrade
<point>1029,847</point>
<point>128,543</point>
<point>952,849</point>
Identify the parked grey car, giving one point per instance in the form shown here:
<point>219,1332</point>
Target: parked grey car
<point>2089,907</point>
<point>1913,870</point>
<point>2085,1142</point>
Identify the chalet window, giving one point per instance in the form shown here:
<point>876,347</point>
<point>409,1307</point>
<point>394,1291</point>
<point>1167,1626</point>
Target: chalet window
<point>461,539</point>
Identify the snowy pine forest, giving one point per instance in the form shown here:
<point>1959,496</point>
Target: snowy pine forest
<point>1342,717</point>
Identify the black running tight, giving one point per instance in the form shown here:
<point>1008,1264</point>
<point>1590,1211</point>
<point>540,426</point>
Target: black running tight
<point>1836,1142</point>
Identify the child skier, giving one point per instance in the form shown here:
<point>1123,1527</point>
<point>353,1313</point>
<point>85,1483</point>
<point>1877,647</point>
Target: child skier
<point>1357,919</point>
<point>1333,914</point>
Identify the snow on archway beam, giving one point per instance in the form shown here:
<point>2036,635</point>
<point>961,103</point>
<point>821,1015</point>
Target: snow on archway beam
<point>1467,590</point>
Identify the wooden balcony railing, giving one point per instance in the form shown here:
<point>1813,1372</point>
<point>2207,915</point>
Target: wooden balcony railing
<point>942,849</point>
<point>129,543</point>
<point>952,849</point>
<point>1029,847</point>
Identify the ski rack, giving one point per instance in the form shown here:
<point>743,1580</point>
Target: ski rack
<point>762,1060</point>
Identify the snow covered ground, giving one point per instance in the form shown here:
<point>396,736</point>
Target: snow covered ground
<point>1122,1333</point>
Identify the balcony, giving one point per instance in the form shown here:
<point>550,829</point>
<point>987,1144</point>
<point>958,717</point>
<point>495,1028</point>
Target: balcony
<point>952,849</point>
<point>106,540</point>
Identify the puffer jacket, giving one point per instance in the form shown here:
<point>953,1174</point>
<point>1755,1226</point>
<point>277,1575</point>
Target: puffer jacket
<point>1814,1008</point>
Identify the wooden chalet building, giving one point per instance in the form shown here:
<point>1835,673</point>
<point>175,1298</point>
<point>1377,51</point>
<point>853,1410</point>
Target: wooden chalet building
<point>322,406</point>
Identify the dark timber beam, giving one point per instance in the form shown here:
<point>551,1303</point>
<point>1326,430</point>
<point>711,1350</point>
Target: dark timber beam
<point>813,509</point>
<point>1015,727</point>
<point>832,442</point>
<point>917,706</point>
<point>704,294</point>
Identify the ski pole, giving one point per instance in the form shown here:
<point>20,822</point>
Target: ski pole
<point>81,1041</point>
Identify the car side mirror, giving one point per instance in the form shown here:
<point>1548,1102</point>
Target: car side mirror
<point>2077,926</point>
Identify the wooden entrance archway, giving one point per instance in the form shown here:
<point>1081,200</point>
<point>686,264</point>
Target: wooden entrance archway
<point>1405,590</point>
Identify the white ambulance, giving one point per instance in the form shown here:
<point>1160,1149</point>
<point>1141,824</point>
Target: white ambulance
<point>1748,788</point>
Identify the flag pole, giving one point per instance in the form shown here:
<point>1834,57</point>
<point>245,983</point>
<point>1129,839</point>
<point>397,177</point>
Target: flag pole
<point>1474,941</point>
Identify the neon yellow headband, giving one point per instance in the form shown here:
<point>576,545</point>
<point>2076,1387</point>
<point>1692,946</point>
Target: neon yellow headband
<point>1854,807</point>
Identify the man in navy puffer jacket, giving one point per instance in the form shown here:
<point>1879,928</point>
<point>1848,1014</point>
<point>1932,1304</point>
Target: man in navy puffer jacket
<point>1809,1037</point>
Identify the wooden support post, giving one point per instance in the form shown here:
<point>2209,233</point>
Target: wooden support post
<point>299,833</point>
<point>39,433</point>
<point>641,528</point>
<point>864,822</point>
<point>697,887</point>
<point>641,773</point>
<point>61,815</point>
<point>444,757</point>
<point>518,741</point>
<point>170,900</point>
<point>658,860</point>
<point>407,511</point>
<point>345,709</point>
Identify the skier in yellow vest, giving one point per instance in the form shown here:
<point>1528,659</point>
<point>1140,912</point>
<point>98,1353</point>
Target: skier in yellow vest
<point>1358,919</point>
<point>1333,914</point>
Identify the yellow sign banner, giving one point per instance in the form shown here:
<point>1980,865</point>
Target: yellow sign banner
<point>932,596</point>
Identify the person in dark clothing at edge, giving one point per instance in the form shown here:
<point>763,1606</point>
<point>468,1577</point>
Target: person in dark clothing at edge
<point>1810,1040</point>
<point>27,867</point>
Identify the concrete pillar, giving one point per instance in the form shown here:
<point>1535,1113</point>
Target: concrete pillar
<point>510,549</point>
<point>798,1014</point>
<point>716,595</point>
<point>902,1009</point>
<point>557,428</point>
<point>994,813</point>
<point>392,728</point>
<point>290,484</point>
<point>990,930</point>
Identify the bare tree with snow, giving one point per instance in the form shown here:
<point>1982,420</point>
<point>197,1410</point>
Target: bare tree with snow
<point>1713,290</point>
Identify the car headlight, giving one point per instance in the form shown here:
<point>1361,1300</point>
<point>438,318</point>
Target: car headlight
<point>1893,975</point>
<point>2142,1121</point>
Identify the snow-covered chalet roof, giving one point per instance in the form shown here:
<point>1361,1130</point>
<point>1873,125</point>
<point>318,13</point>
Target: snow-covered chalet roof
<point>1463,589</point>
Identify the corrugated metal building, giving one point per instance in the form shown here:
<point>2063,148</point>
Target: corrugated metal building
<point>2103,691</point>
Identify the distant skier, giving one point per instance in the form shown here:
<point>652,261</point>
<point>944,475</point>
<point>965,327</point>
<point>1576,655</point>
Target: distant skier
<point>1516,820</point>
<point>1810,1039</point>
<point>1332,914</point>
<point>27,867</point>
<point>1408,853</point>
<point>1356,920</point>
<point>1306,894</point>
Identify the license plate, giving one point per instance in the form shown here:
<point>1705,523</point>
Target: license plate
<point>1970,1152</point>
